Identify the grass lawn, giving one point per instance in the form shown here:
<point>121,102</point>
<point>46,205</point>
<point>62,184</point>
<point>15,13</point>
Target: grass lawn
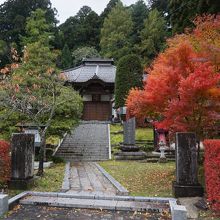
<point>50,182</point>
<point>143,179</point>
<point>141,134</point>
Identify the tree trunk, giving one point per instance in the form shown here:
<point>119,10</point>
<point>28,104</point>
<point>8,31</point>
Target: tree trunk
<point>41,154</point>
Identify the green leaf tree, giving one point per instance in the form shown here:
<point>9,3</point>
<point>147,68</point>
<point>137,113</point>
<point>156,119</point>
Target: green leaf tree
<point>129,75</point>
<point>35,88</point>
<point>116,33</point>
<point>152,36</point>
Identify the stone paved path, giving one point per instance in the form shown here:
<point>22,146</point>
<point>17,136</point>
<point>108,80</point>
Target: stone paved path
<point>85,177</point>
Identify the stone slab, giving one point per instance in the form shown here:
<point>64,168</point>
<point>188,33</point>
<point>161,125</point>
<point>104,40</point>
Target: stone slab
<point>105,204</point>
<point>179,212</point>
<point>3,204</point>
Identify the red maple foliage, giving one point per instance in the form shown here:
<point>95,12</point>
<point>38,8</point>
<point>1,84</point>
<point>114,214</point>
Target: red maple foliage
<point>4,161</point>
<point>212,172</point>
<point>182,89</point>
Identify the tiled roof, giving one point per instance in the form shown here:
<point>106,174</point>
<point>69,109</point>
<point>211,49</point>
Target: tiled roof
<point>98,69</point>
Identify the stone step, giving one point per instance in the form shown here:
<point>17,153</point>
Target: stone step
<point>82,153</point>
<point>88,141</point>
<point>111,203</point>
<point>78,158</point>
<point>84,149</point>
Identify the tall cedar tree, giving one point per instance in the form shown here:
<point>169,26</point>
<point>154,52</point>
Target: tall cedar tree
<point>152,36</point>
<point>182,91</point>
<point>35,89</point>
<point>129,75</point>
<point>139,12</point>
<point>66,58</point>
<point>116,33</point>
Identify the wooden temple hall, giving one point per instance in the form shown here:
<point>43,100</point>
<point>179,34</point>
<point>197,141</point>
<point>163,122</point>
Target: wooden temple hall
<point>95,81</point>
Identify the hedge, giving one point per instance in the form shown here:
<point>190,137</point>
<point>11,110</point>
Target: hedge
<point>212,172</point>
<point>4,162</point>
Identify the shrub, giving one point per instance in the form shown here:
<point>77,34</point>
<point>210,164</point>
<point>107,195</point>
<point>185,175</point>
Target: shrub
<point>4,162</point>
<point>212,172</point>
<point>57,159</point>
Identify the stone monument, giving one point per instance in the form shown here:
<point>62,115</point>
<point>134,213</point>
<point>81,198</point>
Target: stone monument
<point>129,151</point>
<point>186,184</point>
<point>22,161</point>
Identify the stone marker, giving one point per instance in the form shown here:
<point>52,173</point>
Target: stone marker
<point>22,161</point>
<point>129,151</point>
<point>3,204</point>
<point>186,184</point>
<point>129,132</point>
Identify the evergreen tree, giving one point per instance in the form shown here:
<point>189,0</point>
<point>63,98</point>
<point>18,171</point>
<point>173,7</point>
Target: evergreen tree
<point>13,14</point>
<point>107,10</point>
<point>152,36</point>
<point>139,13</point>
<point>82,29</point>
<point>66,57</point>
<point>129,75</point>
<point>116,33</point>
<point>183,12</point>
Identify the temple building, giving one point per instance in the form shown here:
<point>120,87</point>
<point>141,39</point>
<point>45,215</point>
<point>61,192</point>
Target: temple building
<point>95,81</point>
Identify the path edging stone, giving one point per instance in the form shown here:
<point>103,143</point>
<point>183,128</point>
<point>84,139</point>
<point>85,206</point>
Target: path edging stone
<point>177,211</point>
<point>66,180</point>
<point>122,191</point>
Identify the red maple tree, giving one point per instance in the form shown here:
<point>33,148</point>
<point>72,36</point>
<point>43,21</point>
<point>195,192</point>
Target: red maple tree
<point>182,89</point>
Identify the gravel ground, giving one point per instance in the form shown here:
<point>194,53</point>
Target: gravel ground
<point>26,212</point>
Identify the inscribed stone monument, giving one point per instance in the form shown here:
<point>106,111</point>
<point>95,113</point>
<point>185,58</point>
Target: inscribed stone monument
<point>186,184</point>
<point>22,161</point>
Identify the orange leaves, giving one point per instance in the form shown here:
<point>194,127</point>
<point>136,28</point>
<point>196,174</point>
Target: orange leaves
<point>206,38</point>
<point>183,86</point>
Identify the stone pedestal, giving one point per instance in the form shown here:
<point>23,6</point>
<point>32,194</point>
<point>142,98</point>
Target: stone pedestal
<point>186,184</point>
<point>129,151</point>
<point>22,161</point>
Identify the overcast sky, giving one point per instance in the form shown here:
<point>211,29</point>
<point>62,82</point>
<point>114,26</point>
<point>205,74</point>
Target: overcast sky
<point>67,8</point>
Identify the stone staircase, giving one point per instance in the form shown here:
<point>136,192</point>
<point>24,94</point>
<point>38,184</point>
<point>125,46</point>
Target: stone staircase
<point>90,141</point>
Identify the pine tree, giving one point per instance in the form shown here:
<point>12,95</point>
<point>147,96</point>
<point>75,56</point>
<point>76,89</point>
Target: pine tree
<point>139,13</point>
<point>116,33</point>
